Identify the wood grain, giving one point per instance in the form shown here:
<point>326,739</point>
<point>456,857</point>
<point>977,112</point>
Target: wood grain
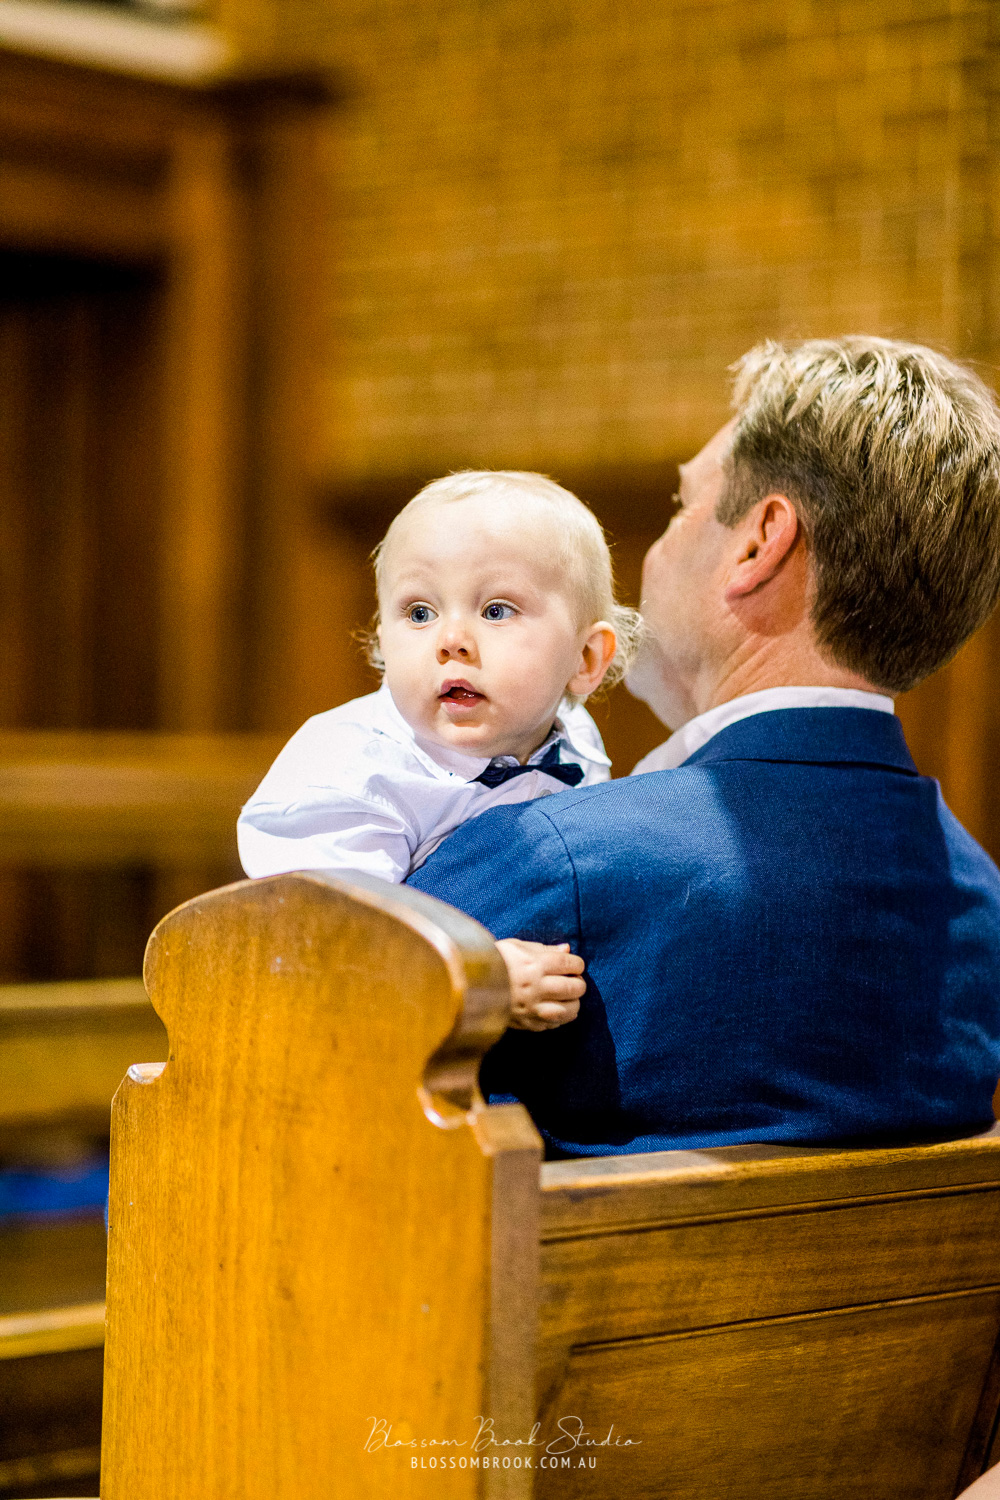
<point>295,1249</point>
<point>868,1402</point>
<point>601,1192</point>
<point>693,1276</point>
<point>759,1320</point>
<point>766,1320</point>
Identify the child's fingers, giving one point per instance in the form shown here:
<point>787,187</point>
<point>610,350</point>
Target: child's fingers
<point>560,961</point>
<point>551,1014</point>
<point>561,987</point>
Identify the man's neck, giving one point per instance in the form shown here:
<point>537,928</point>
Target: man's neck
<point>776,665</point>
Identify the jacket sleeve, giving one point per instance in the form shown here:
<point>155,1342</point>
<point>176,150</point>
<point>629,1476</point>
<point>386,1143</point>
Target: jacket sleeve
<point>510,869</point>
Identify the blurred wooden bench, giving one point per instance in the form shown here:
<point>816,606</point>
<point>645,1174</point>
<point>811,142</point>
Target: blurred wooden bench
<point>64,1049</point>
<point>330,1263</point>
<point>94,798</point>
<point>74,800</point>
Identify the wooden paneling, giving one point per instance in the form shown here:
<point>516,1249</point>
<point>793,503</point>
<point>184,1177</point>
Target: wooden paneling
<point>669,1278</point>
<point>782,1411</point>
<point>44,207</point>
<point>78,355</point>
<point>763,1321</point>
<point>106,799</point>
<point>155,413</point>
<point>163,348</point>
<point>115,828</point>
<point>599,1194</point>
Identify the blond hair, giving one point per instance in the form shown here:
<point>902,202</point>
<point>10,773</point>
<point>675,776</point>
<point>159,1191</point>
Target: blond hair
<point>584,555</point>
<point>890,453</point>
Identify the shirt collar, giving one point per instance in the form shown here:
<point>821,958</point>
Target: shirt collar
<point>572,724</point>
<point>444,762</point>
<point>698,731</point>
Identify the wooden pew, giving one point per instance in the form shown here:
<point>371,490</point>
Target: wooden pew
<point>87,801</point>
<point>63,1051</point>
<point>115,828</point>
<point>330,1264</point>
<point>76,797</point>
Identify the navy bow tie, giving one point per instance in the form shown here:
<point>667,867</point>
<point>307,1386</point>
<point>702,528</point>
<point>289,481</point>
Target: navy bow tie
<point>571,774</point>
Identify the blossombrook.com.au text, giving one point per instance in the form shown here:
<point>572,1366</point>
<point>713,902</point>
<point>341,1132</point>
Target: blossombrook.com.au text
<point>494,1461</point>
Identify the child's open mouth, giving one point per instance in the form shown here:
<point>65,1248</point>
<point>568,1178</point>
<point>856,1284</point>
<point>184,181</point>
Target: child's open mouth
<point>461,694</point>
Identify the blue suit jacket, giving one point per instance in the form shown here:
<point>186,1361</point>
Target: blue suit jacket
<point>788,938</point>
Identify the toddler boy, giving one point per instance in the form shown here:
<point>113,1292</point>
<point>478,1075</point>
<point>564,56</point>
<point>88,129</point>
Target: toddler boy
<point>497,618</point>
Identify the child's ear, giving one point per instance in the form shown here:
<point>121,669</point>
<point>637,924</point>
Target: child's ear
<point>596,656</point>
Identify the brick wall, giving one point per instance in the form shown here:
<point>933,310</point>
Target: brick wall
<point>556,224</point>
<point>559,222</point>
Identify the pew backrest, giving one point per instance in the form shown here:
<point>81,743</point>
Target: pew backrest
<point>102,798</point>
<point>333,1269</point>
<point>769,1321</point>
<point>64,1049</point>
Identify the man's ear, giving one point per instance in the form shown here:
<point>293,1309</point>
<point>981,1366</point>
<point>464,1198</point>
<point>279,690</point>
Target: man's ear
<point>596,656</point>
<point>769,533</point>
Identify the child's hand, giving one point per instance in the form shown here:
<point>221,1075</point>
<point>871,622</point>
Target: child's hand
<point>545,983</point>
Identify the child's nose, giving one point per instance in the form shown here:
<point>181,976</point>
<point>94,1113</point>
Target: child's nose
<point>456,643</point>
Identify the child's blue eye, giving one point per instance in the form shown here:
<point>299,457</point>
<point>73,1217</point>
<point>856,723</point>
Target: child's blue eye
<point>420,614</point>
<point>496,611</point>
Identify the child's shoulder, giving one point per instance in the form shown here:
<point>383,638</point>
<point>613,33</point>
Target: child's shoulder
<point>365,713</point>
<point>346,744</point>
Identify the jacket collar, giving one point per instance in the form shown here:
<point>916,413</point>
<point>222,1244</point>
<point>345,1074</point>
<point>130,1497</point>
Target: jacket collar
<point>817,736</point>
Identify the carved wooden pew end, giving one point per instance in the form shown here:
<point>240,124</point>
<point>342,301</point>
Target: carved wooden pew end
<point>334,1270</point>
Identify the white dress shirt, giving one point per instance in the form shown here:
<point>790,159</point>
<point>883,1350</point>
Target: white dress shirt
<point>356,789</point>
<point>697,732</point>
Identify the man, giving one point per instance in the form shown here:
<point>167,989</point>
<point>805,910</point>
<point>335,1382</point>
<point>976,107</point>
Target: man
<point>787,936</point>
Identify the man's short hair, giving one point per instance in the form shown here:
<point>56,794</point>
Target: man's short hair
<point>891,455</point>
